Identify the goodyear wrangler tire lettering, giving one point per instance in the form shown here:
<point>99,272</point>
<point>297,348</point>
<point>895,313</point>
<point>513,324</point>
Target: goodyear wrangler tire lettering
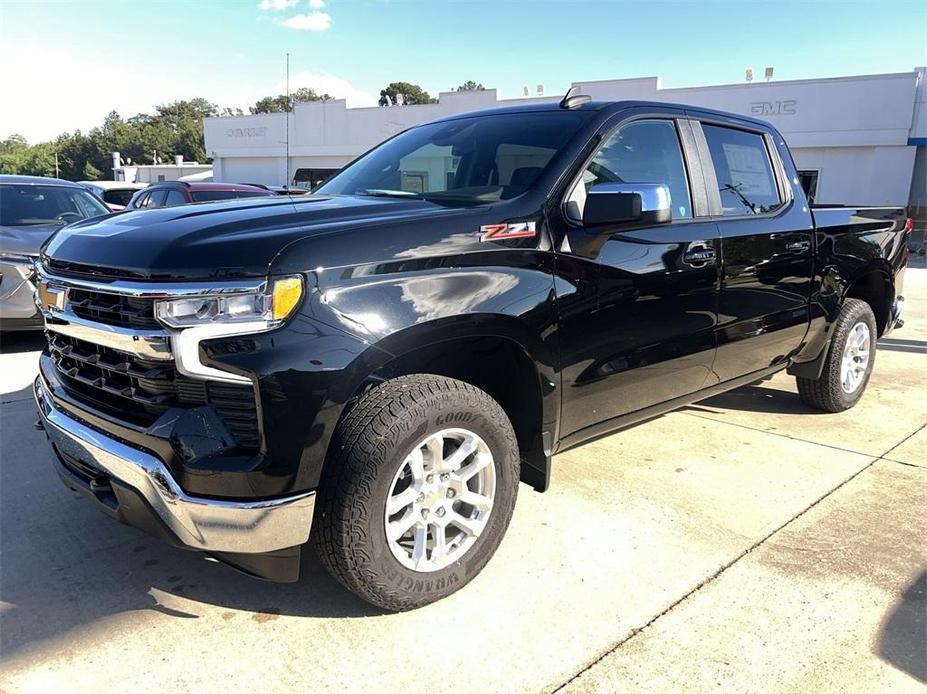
<point>456,418</point>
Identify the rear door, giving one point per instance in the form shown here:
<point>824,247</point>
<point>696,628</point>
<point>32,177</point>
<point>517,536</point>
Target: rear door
<point>643,331</point>
<point>766,247</point>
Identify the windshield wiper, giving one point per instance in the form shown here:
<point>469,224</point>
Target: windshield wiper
<point>386,193</point>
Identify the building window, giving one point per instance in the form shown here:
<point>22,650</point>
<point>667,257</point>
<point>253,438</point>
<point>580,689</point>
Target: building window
<point>160,177</point>
<point>809,183</point>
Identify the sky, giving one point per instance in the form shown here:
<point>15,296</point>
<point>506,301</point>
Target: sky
<point>69,63</point>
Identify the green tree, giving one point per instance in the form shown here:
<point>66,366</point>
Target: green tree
<point>173,128</point>
<point>280,103</point>
<point>91,173</point>
<point>411,93</point>
<point>14,143</point>
<point>471,86</point>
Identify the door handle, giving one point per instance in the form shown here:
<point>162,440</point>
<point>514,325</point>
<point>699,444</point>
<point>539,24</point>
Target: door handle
<point>699,256</point>
<point>797,246</point>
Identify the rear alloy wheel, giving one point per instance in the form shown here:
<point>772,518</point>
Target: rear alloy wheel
<point>417,492</point>
<point>855,362</point>
<point>849,361</point>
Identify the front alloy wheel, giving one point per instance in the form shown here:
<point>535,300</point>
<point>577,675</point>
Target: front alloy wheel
<point>440,500</point>
<point>418,490</point>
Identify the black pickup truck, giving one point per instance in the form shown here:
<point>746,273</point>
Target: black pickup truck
<point>384,360</point>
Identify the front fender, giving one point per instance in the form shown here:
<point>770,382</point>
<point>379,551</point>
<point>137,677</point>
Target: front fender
<point>351,325</point>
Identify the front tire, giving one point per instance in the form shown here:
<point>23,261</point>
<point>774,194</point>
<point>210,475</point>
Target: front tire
<point>849,361</point>
<point>417,492</point>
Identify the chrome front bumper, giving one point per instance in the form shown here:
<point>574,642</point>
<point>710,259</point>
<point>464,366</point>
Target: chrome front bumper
<point>244,527</point>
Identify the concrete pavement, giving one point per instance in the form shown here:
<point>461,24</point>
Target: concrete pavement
<point>745,543</point>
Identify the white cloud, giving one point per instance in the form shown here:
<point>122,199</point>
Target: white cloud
<point>277,5</point>
<point>316,4</point>
<point>336,87</point>
<point>313,21</point>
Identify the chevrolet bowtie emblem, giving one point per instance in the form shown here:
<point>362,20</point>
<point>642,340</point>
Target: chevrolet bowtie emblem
<point>49,297</point>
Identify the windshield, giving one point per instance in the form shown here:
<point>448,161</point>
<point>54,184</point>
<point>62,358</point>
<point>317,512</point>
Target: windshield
<point>465,161</point>
<point>29,205</point>
<point>210,195</point>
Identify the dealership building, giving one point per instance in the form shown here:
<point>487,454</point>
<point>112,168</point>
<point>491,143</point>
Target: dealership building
<point>856,140</point>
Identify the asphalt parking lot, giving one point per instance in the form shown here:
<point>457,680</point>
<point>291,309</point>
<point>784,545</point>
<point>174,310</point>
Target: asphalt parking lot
<point>744,543</point>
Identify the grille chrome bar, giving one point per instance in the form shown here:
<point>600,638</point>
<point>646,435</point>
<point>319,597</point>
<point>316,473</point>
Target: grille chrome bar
<point>118,317</point>
<point>146,344</point>
<point>156,290</point>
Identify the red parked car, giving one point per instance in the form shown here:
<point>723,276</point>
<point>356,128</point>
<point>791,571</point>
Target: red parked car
<point>174,193</point>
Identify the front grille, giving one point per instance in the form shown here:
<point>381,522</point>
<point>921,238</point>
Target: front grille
<point>113,309</point>
<point>139,391</point>
<point>66,269</point>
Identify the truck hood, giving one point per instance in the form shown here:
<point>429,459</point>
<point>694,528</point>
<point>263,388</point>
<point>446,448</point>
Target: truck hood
<point>25,240</point>
<point>217,240</point>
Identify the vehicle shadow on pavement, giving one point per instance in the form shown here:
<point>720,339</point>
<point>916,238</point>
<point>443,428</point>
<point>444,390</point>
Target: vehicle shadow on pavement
<point>757,398</point>
<point>901,638</point>
<point>65,566</point>
<point>26,341</point>
<point>896,345</point>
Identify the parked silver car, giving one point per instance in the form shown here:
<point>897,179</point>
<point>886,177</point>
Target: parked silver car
<point>31,209</point>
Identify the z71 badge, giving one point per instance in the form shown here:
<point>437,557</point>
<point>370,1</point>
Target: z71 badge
<point>503,232</point>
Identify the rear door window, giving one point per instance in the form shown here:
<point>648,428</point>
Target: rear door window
<point>745,176</point>
<point>156,199</point>
<point>174,198</point>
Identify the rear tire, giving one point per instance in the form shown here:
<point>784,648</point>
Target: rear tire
<point>849,361</point>
<point>392,464</point>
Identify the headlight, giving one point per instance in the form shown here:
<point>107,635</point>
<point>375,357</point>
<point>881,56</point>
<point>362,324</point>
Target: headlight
<point>271,307</point>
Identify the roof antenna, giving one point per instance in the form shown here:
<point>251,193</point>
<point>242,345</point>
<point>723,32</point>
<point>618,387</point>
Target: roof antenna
<point>571,100</point>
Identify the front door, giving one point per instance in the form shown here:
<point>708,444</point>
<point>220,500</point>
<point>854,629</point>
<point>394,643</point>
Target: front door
<point>639,322</point>
<point>766,247</point>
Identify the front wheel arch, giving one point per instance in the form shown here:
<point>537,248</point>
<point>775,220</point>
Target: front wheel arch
<point>503,369</point>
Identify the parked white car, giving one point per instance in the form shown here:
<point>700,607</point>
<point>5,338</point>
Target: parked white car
<point>116,194</point>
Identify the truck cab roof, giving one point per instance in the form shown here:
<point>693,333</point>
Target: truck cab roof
<point>606,107</point>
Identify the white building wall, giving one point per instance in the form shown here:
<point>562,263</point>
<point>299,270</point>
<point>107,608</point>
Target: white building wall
<point>249,170</point>
<point>855,130</point>
<point>919,121</point>
<point>872,175</point>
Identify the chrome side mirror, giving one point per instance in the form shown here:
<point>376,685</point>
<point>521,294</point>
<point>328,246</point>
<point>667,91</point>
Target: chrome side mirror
<point>622,203</point>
